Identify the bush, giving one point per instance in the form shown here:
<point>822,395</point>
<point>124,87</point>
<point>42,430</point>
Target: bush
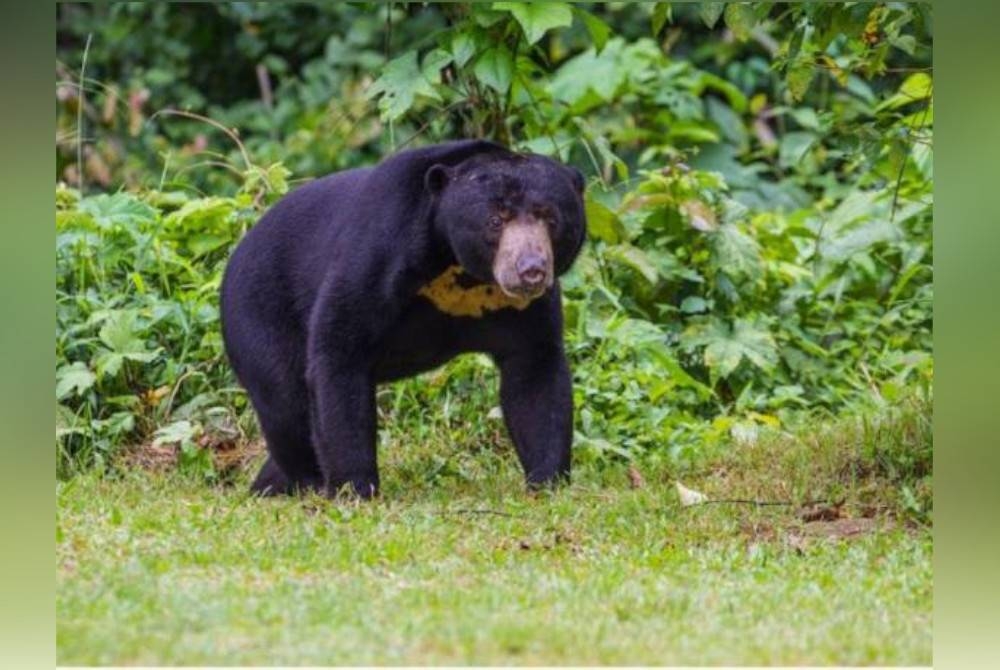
<point>759,198</point>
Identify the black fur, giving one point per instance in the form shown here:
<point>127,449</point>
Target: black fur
<point>320,303</point>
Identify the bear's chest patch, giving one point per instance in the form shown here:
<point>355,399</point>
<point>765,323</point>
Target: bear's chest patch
<point>448,295</point>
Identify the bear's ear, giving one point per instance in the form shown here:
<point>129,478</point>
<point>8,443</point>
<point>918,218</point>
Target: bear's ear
<point>435,178</point>
<point>577,177</point>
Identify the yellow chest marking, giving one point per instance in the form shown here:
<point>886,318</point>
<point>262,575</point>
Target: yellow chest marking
<point>451,298</point>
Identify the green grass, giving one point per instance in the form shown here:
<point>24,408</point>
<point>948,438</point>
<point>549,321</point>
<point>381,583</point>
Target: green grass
<point>161,569</point>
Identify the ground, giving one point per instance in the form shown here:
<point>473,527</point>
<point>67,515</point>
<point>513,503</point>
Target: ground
<point>156,568</point>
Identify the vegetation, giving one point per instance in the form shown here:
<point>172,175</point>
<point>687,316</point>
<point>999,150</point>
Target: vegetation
<point>756,290</point>
<point>458,567</point>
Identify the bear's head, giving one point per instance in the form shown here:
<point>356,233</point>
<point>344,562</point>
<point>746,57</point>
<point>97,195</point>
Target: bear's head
<point>516,220</point>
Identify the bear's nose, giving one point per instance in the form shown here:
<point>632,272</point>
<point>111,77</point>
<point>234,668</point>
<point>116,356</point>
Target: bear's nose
<point>531,269</point>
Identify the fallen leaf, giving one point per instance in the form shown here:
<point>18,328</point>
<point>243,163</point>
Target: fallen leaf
<point>822,512</point>
<point>839,529</point>
<point>635,479</point>
<point>689,496</point>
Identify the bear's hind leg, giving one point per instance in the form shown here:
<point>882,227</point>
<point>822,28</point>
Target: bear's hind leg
<point>291,465</point>
<point>271,481</point>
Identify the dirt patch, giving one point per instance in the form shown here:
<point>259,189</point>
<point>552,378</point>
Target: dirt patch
<point>800,535</point>
<point>841,529</point>
<point>229,455</point>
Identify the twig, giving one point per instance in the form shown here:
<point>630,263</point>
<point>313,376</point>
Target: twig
<point>212,122</point>
<point>264,82</point>
<point>79,115</point>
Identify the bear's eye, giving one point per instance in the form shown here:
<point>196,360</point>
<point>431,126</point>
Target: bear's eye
<point>495,222</point>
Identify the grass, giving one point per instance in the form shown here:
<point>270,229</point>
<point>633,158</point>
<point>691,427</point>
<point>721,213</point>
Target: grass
<point>458,565</point>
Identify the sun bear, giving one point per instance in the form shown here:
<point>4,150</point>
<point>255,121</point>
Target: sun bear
<point>378,273</point>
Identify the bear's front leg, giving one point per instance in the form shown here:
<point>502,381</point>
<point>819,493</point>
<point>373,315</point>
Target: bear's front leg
<point>537,401</point>
<point>343,425</point>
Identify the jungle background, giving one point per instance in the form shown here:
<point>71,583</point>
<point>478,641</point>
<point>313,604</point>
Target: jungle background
<point>752,313</point>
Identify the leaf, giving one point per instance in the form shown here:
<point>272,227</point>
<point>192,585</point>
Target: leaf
<point>917,86</point>
<point>806,117</point>
<point>398,87</point>
<point>710,12</point>
<point>693,305</point>
<point>688,496</point>
<point>734,96</point>
<point>202,243</point>
<point>537,18</point>
<point>75,378</point>
<point>462,48</point>
<point>677,373</point>
<point>636,259</point>
<point>662,14</point>
<point>123,341</point>
<point>905,43</point>
<point>495,68</point>
<point>735,253</point>
<point>859,238</point>
<point>855,206</point>
<point>729,122</point>
<point>726,348</point>
<point>590,74</point>
<point>272,179</point>
<point>757,344</point>
<point>67,422</point>
<point>120,209</point>
<point>740,19</point>
<point>119,332</point>
<point>204,213</point>
<point>722,357</point>
<point>923,158</point>
<point>599,30</point>
<point>798,78</point>
<point>794,146</point>
<point>603,147</point>
<point>435,61</point>
<point>173,433</point>
<point>693,132</point>
<point>603,223</point>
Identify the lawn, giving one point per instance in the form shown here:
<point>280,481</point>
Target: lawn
<point>461,566</point>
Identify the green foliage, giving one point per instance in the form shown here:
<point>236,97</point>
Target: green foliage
<point>759,200</point>
<point>537,18</point>
<point>138,338</point>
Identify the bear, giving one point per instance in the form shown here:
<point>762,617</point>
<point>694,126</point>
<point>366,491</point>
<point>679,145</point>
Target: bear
<point>373,274</point>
